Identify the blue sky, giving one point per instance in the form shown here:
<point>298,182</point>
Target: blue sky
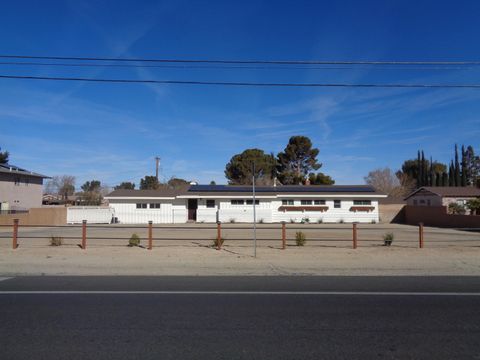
<point>113,132</point>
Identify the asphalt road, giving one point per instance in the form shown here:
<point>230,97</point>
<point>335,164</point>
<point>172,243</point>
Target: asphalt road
<point>240,318</point>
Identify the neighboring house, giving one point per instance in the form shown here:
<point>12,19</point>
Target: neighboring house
<point>211,203</point>
<point>19,189</point>
<point>442,196</point>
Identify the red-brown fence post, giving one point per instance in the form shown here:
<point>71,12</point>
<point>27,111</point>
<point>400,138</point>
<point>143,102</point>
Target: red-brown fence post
<point>15,234</point>
<point>150,235</point>
<point>284,235</point>
<point>219,236</point>
<point>84,234</point>
<point>354,230</point>
<point>420,235</point>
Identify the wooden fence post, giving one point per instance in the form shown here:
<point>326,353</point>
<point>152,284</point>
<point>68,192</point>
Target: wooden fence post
<point>150,235</point>
<point>15,234</point>
<point>354,230</point>
<point>219,236</point>
<point>420,235</point>
<point>284,235</point>
<point>84,234</point>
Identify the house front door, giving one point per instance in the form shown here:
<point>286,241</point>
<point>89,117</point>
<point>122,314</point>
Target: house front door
<point>192,209</point>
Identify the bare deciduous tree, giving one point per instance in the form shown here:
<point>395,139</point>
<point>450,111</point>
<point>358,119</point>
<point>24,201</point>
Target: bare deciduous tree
<point>386,181</point>
<point>63,185</point>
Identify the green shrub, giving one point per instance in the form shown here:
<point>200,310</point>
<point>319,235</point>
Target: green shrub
<point>261,221</point>
<point>232,221</point>
<point>456,209</point>
<point>341,221</point>
<point>134,240</point>
<point>292,221</point>
<point>300,238</point>
<point>388,238</point>
<point>373,221</point>
<point>56,240</point>
<point>319,221</point>
<point>305,220</point>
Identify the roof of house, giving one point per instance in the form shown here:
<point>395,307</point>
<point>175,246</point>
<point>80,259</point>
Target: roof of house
<point>12,169</point>
<point>446,191</point>
<point>162,192</point>
<point>226,190</point>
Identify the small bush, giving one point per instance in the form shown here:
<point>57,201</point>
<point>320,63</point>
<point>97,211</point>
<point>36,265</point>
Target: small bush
<point>305,220</point>
<point>300,238</point>
<point>341,221</point>
<point>56,240</point>
<point>261,221</point>
<point>373,221</point>
<point>215,242</point>
<point>134,240</point>
<point>456,209</point>
<point>319,221</point>
<point>232,221</point>
<point>388,238</point>
<point>292,221</point>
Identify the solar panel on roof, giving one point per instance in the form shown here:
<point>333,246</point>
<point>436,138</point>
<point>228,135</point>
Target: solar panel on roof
<point>281,189</point>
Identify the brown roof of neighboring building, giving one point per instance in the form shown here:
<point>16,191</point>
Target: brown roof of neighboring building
<point>447,191</point>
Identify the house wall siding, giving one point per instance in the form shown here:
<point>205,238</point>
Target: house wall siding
<point>175,211</point>
<point>26,194</point>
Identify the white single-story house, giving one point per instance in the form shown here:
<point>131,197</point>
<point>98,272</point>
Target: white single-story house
<point>227,203</point>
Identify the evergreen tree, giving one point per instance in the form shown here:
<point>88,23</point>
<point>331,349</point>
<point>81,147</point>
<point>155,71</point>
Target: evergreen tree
<point>444,179</point>
<point>451,174</point>
<point>297,160</point>
<point>3,157</point>
<point>239,170</point>
<point>457,168</point>
<point>420,172</point>
<point>464,167</point>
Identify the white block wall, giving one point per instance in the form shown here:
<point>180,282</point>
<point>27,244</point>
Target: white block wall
<point>93,215</point>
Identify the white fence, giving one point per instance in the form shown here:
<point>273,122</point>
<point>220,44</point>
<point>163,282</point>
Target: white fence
<point>93,214</point>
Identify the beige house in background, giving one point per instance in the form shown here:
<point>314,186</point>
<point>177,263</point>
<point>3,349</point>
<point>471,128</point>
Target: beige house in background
<point>441,196</point>
<point>20,189</point>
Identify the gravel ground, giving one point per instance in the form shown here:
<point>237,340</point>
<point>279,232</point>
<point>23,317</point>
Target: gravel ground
<point>188,251</point>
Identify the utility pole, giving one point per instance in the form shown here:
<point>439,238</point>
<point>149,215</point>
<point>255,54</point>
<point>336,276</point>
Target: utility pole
<point>157,163</point>
<point>254,215</point>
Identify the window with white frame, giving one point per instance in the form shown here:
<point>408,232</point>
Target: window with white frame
<point>154,205</point>
<point>250,202</point>
<point>337,204</point>
<point>141,206</point>
<point>210,203</point>
<point>362,202</point>
<point>237,202</point>
<point>288,202</point>
<point>319,202</point>
<point>306,202</point>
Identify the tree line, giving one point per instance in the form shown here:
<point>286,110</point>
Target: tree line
<point>463,170</point>
<point>296,164</point>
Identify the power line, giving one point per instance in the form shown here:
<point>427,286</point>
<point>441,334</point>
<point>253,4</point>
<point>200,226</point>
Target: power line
<point>277,67</point>
<point>224,61</point>
<point>243,84</point>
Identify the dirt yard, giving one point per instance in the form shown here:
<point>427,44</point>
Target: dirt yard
<point>187,250</point>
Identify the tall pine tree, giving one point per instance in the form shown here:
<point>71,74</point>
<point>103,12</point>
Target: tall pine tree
<point>464,167</point>
<point>451,174</point>
<point>457,168</point>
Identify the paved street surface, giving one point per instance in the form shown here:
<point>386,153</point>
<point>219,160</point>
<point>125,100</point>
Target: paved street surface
<point>240,318</point>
